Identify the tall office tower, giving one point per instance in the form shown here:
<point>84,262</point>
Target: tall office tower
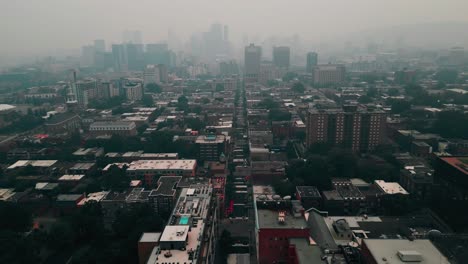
<point>119,55</point>
<point>135,56</point>
<point>85,91</point>
<point>158,53</point>
<point>312,59</point>
<point>100,45</point>
<point>226,33</point>
<point>352,127</point>
<point>281,56</point>
<point>132,36</point>
<point>151,74</point>
<point>329,74</point>
<point>87,56</point>
<point>252,59</point>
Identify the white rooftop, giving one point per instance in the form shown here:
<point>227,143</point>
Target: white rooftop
<point>162,165</point>
<point>34,163</point>
<point>6,107</point>
<point>175,233</point>
<point>390,187</point>
<point>71,177</point>
<point>150,237</point>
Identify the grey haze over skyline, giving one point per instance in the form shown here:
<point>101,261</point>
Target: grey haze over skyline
<point>37,27</point>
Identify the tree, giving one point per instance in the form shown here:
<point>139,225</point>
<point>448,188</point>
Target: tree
<point>14,217</point>
<point>393,92</point>
<point>298,87</point>
<point>268,103</point>
<point>365,99</point>
<point>147,100</point>
<point>289,76</point>
<point>182,103</point>
<point>372,92</point>
<point>153,88</point>
<point>451,124</point>
<point>205,100</point>
<point>400,106</point>
<point>116,179</point>
<point>60,236</point>
<point>446,76</point>
<point>219,87</point>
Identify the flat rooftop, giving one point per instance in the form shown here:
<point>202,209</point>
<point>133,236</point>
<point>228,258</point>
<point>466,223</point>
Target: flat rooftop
<point>461,163</point>
<point>269,219</point>
<point>71,177</point>
<point>34,163</point>
<point>175,233</point>
<point>390,187</point>
<point>162,165</point>
<point>308,191</point>
<point>82,166</point>
<point>150,237</point>
<point>166,185</point>
<point>385,251</point>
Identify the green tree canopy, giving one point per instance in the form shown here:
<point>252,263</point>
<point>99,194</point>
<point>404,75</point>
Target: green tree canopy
<point>298,87</point>
<point>153,88</point>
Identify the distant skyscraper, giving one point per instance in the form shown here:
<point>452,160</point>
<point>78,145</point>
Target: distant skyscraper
<point>312,59</point>
<point>132,36</point>
<point>119,55</point>
<point>135,56</point>
<point>100,45</point>
<point>87,56</point>
<point>281,56</point>
<point>226,33</point>
<point>252,59</point>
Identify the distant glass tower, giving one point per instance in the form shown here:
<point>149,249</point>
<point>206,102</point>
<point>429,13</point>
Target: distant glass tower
<point>281,56</point>
<point>312,59</point>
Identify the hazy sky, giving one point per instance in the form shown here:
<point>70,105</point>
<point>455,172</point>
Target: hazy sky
<point>30,26</point>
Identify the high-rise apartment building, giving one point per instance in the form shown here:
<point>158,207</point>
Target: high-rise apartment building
<point>360,130</point>
<point>312,60</point>
<point>281,56</point>
<point>85,91</point>
<point>252,59</point>
<point>151,74</point>
<point>329,74</point>
<point>133,91</point>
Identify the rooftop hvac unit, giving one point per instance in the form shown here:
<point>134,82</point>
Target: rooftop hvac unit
<point>409,256</point>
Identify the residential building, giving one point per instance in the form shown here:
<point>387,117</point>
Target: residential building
<point>133,91</point>
<point>116,127</point>
<point>191,233</point>
<point>151,74</point>
<point>277,220</point>
<point>329,74</point>
<point>355,128</point>
<point>281,56</point>
<point>164,196</point>
<point>210,147</point>
<point>150,170</point>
